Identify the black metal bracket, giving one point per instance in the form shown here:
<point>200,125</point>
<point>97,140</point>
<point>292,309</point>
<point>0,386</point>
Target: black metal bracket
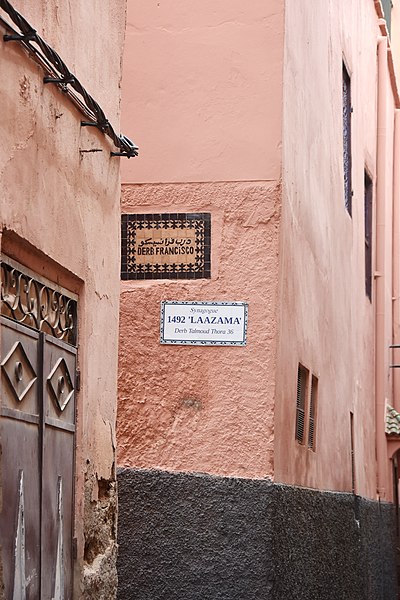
<point>131,151</point>
<point>102,126</point>
<point>17,37</point>
<point>59,74</point>
<point>125,154</point>
<point>62,80</point>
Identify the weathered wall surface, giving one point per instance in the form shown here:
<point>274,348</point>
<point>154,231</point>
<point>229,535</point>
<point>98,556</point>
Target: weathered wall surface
<point>210,122</point>
<point>326,319</point>
<point>59,207</point>
<point>198,536</point>
<point>203,408</point>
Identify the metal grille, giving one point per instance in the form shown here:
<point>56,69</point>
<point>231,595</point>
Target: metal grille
<point>347,140</point>
<point>368,233</point>
<point>302,377</point>
<point>312,412</point>
<point>36,303</point>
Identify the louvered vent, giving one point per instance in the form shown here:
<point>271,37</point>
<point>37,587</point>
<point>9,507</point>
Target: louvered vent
<point>312,413</point>
<point>302,377</point>
<point>368,192</point>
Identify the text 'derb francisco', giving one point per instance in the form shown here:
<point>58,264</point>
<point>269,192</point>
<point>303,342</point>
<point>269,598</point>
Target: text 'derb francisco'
<point>166,246</point>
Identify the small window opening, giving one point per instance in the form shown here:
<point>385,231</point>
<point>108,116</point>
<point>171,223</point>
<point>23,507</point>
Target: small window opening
<point>368,233</point>
<point>387,11</point>
<point>347,110</point>
<point>302,380</point>
<point>312,412</point>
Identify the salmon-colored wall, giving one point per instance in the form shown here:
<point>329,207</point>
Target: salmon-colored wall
<point>201,90</point>
<point>202,87</point>
<point>59,206</point>
<point>294,253</point>
<point>207,409</point>
<point>326,319</point>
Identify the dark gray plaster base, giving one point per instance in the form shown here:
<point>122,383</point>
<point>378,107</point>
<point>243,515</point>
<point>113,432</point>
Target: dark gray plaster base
<point>198,537</point>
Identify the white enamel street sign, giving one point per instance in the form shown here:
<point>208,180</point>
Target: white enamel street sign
<point>203,323</point>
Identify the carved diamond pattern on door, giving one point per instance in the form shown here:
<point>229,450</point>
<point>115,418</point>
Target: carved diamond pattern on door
<point>60,384</point>
<point>37,433</point>
<point>19,372</point>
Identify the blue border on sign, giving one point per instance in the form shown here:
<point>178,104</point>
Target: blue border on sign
<point>202,342</point>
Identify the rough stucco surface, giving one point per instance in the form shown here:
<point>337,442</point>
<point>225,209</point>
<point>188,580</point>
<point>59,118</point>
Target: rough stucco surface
<point>206,409</point>
<point>191,537</point>
<point>59,207</point>
<point>100,537</point>
<point>332,546</point>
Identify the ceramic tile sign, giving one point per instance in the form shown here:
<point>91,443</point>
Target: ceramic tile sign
<point>204,323</point>
<point>166,246</point>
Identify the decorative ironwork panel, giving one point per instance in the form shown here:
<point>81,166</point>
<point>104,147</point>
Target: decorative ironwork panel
<point>166,246</point>
<point>36,303</point>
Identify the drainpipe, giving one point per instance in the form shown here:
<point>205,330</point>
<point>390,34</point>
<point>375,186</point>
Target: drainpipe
<point>380,350</point>
<point>395,355</point>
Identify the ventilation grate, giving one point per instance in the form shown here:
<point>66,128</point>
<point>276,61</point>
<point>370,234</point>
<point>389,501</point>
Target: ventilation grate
<point>312,412</point>
<point>368,233</point>
<point>302,377</point>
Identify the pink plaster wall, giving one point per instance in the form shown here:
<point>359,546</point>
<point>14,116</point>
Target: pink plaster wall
<point>326,320</point>
<point>220,104</point>
<point>204,409</point>
<point>202,90</point>
<point>60,207</point>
